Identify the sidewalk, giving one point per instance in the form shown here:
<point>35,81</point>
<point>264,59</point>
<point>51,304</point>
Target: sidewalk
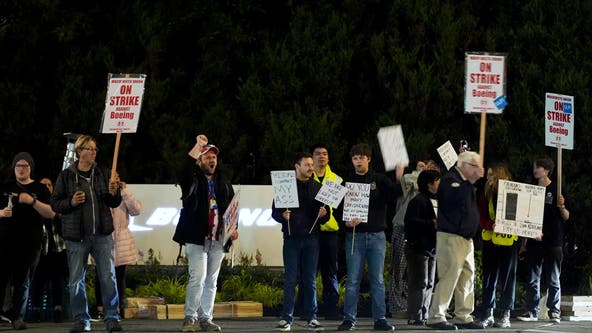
<point>267,324</point>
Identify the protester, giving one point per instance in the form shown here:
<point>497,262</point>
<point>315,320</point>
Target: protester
<point>300,228</point>
<point>420,250</point>
<point>124,245</point>
<point>458,220</point>
<point>84,194</point>
<point>370,242</point>
<point>205,195</point>
<point>544,254</point>
<point>499,254</point>
<point>26,204</point>
<point>329,237</point>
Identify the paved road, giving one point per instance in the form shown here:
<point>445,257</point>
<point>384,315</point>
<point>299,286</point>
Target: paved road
<point>267,324</point>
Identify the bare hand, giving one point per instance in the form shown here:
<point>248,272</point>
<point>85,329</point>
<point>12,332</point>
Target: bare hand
<point>78,198</point>
<point>234,235</point>
<point>353,223</point>
<point>201,140</point>
<point>322,211</point>
<point>286,215</point>
<point>6,212</point>
<point>113,186</point>
<point>560,201</point>
<point>25,198</point>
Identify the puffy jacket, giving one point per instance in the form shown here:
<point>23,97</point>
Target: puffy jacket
<point>92,217</point>
<point>124,244</point>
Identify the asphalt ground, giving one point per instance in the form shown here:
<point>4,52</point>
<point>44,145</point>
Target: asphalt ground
<point>267,324</point>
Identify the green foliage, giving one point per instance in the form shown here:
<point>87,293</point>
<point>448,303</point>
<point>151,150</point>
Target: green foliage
<point>171,289</point>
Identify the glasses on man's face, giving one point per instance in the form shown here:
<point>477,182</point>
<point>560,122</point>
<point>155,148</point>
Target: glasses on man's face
<point>22,166</point>
<point>90,149</point>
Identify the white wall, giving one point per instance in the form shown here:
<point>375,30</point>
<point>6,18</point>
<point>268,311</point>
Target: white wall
<point>154,228</point>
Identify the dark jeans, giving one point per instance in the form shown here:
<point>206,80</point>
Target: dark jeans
<point>301,256</point>
<point>545,261</point>
<point>328,252</point>
<point>499,270</point>
<point>51,275</point>
<point>421,272</point>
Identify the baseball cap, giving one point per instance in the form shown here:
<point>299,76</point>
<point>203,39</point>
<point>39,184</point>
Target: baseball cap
<point>207,148</point>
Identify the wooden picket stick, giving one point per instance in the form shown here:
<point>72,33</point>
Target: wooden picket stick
<point>115,156</point>
<point>353,240</point>
<point>559,171</point>
<point>315,222</point>
<point>482,137</point>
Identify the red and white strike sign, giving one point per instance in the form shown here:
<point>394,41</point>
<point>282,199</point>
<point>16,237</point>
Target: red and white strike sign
<point>559,121</point>
<point>123,103</point>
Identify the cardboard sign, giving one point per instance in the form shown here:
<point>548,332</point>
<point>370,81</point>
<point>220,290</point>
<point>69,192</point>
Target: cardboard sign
<point>559,121</point>
<point>392,146</point>
<point>331,193</point>
<point>448,154</point>
<point>485,82</point>
<point>357,202</point>
<point>285,193</point>
<point>125,93</point>
<point>230,218</point>
<point>520,209</point>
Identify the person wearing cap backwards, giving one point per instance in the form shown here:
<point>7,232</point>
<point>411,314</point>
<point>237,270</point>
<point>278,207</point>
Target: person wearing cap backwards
<point>205,195</point>
<point>84,194</point>
<point>25,203</point>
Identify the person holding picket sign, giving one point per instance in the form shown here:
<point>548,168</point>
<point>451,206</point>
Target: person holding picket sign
<point>369,244</point>
<point>301,244</point>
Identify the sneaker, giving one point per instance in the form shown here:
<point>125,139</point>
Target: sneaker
<point>80,327</point>
<point>383,325</point>
<point>416,322</point>
<point>4,319</point>
<point>314,325</point>
<point>19,324</point>
<point>112,325</point>
<point>207,325</point>
<point>283,326</point>
<point>98,317</point>
<point>443,326</point>
<point>504,321</point>
<point>347,325</point>
<point>474,325</point>
<point>527,316</point>
<point>189,325</point>
<point>554,317</point>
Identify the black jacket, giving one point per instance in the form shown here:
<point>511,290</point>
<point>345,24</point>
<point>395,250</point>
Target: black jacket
<point>458,212</point>
<point>194,220</point>
<point>420,230</point>
<point>302,218</point>
<point>92,217</point>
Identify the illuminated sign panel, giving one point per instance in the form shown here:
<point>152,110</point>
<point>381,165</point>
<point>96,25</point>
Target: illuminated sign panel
<point>154,228</point>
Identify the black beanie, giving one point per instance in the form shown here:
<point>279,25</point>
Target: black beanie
<point>23,155</point>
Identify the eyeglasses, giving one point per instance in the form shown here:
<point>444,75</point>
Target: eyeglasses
<point>22,166</point>
<point>90,149</point>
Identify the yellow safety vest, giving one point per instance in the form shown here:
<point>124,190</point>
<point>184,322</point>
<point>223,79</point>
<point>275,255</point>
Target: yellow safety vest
<point>494,237</point>
<point>332,224</point>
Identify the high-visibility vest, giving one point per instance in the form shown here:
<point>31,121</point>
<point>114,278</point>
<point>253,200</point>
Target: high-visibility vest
<point>332,224</point>
<point>494,237</point>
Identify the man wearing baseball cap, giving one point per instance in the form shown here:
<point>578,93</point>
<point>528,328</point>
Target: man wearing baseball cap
<point>206,195</point>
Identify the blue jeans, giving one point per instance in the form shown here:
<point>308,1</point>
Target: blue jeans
<point>546,261</point>
<point>301,256</point>
<point>370,247</point>
<point>101,248</point>
<point>204,267</point>
<point>499,272</point>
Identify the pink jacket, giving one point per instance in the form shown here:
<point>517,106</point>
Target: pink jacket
<point>124,244</point>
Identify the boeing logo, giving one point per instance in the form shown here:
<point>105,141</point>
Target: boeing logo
<point>163,216</point>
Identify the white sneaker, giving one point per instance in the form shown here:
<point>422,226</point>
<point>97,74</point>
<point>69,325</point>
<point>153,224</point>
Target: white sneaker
<point>189,325</point>
<point>527,316</point>
<point>283,326</point>
<point>554,317</point>
<point>314,325</point>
